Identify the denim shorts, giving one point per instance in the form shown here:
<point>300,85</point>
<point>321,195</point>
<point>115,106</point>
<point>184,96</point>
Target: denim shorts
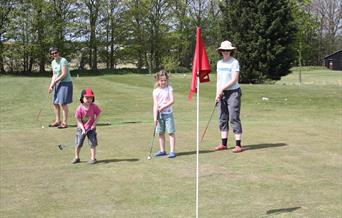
<point>92,138</point>
<point>166,123</point>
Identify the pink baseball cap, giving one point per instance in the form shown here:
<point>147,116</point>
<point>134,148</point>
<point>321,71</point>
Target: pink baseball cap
<point>87,93</point>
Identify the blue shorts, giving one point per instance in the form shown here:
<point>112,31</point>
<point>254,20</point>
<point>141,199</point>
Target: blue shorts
<point>166,123</point>
<point>92,138</point>
<point>62,93</point>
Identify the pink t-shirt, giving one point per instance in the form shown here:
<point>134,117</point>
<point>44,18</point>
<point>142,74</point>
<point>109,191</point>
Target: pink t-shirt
<point>87,116</point>
<point>163,96</point>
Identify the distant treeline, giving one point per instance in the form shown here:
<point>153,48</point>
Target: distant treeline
<point>79,72</point>
<point>100,35</point>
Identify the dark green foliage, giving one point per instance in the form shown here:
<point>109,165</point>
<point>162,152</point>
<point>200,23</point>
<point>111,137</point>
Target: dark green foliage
<point>262,31</point>
<point>86,73</point>
<point>154,34</point>
<point>307,38</point>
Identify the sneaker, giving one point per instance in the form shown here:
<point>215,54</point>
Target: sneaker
<point>237,149</point>
<point>172,155</point>
<point>76,160</point>
<point>92,161</point>
<point>160,153</point>
<point>55,124</point>
<point>220,148</point>
<point>63,126</point>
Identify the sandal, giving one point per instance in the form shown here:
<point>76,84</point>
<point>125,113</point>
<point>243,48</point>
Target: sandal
<point>63,126</point>
<point>55,124</point>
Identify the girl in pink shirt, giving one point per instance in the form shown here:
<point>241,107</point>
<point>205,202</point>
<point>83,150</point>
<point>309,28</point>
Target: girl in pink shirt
<point>163,113</point>
<point>87,115</point>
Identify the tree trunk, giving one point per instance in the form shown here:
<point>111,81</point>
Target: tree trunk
<point>112,42</point>
<point>40,36</point>
<point>30,64</point>
<point>2,67</point>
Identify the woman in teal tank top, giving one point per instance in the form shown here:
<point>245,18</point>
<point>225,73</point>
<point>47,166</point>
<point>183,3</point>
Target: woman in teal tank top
<point>61,88</point>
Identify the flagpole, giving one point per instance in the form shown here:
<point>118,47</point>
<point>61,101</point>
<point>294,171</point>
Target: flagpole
<point>197,144</point>
<point>200,73</point>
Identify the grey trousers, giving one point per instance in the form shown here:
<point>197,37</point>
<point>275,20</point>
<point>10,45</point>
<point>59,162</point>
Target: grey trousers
<point>229,111</point>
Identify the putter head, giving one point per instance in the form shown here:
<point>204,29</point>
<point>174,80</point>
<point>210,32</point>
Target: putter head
<point>60,146</point>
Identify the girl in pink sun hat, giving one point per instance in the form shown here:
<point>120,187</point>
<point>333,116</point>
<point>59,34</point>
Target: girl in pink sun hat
<point>228,96</point>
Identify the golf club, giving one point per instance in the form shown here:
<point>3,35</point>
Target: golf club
<point>149,157</point>
<point>62,146</point>
<point>38,115</point>
<point>41,108</point>
<point>211,116</point>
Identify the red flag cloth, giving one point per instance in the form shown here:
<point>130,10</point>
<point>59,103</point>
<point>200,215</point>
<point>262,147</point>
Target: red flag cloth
<point>200,64</point>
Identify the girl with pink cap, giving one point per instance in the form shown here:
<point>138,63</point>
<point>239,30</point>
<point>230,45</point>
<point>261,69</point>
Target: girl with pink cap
<point>87,115</point>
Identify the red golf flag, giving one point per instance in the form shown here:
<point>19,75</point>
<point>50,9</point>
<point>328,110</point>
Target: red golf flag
<point>200,64</point>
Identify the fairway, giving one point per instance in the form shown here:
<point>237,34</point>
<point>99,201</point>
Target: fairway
<point>291,166</point>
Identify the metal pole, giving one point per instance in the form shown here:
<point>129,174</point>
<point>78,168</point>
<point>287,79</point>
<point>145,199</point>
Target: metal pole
<point>197,144</point>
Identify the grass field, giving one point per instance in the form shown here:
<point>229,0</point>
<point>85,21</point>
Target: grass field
<point>292,165</point>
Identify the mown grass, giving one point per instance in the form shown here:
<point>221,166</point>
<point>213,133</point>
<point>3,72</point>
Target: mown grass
<point>291,166</point>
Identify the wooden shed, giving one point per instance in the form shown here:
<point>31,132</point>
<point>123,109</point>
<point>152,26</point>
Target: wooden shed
<point>334,61</point>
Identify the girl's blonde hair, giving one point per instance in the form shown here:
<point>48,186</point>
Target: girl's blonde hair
<point>160,74</point>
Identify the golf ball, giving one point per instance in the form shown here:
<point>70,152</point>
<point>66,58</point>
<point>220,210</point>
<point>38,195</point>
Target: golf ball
<point>42,127</point>
<point>149,158</point>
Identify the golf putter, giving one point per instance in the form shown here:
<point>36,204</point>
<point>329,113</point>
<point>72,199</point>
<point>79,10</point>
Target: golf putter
<point>41,108</point>
<point>211,116</point>
<point>62,146</point>
<point>38,115</point>
<point>149,157</point>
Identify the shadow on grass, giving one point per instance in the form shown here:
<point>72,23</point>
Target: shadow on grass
<point>98,124</point>
<point>193,152</point>
<point>245,148</point>
<point>282,210</point>
<point>262,146</point>
<point>117,160</point>
<point>130,122</point>
<point>109,124</point>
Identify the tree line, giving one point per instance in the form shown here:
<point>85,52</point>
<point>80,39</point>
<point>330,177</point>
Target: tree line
<point>271,36</point>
